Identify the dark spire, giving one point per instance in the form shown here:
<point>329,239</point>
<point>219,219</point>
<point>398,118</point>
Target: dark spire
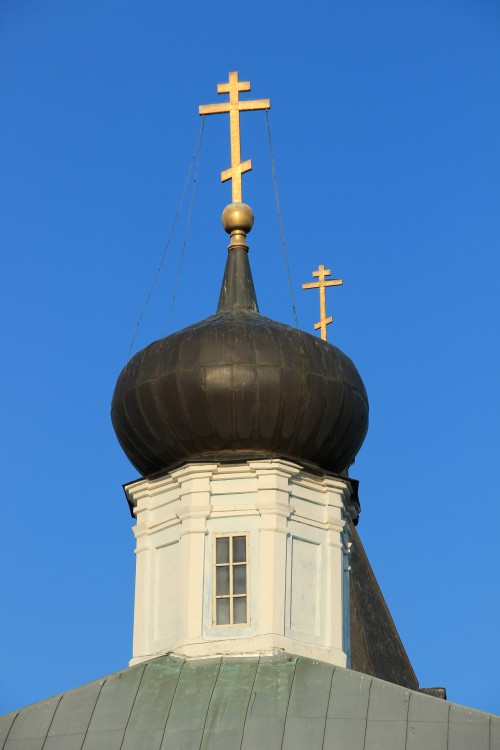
<point>237,291</point>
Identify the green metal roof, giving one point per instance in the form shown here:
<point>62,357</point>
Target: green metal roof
<point>244,703</point>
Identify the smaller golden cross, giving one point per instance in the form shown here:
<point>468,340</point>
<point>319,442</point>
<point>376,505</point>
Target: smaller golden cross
<point>234,106</point>
<point>321,284</point>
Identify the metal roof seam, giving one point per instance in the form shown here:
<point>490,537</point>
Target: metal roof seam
<point>210,701</point>
<point>52,721</point>
<point>367,713</point>
<point>448,728</point>
<point>249,702</point>
<point>288,702</point>
<point>327,707</point>
<point>10,729</point>
<point>93,710</point>
<point>133,704</point>
<point>407,717</point>
<point>171,703</point>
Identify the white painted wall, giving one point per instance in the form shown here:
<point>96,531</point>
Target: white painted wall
<point>298,563</point>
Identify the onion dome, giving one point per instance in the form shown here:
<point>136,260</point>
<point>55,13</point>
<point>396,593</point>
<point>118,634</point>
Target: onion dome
<point>238,385</point>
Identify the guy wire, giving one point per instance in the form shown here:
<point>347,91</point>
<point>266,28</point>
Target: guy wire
<point>187,229</point>
<point>283,243</point>
<point>196,148</point>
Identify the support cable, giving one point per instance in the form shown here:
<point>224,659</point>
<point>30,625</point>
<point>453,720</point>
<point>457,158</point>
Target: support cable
<point>197,149</point>
<point>280,223</point>
<point>193,189</point>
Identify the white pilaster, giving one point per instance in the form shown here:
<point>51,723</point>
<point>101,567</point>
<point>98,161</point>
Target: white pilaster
<point>193,512</point>
<point>273,504</point>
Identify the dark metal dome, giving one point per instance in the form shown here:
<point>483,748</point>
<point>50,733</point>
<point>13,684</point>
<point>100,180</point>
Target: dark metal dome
<point>238,384</point>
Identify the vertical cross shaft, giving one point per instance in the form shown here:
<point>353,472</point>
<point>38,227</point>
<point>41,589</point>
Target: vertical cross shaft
<point>234,106</point>
<point>233,88</point>
<point>321,284</point>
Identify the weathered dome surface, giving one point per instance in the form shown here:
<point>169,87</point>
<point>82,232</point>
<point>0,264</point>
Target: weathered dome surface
<point>239,384</point>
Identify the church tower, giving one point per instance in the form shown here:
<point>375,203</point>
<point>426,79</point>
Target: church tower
<point>243,429</point>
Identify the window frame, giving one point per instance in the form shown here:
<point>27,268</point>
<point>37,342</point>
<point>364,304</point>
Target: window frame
<point>231,564</point>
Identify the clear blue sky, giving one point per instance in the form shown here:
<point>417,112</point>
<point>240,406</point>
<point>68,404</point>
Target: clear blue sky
<point>385,121</point>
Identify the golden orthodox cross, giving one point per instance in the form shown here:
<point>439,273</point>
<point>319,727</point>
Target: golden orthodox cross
<point>321,284</point>
<point>234,106</point>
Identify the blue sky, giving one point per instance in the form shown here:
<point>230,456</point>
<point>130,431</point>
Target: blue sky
<point>385,119</point>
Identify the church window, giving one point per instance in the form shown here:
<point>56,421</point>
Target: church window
<point>230,574</point>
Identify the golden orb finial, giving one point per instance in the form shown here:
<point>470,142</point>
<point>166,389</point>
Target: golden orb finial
<point>237,220</point>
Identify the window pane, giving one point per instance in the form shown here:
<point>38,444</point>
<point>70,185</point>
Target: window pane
<point>240,579</point>
<point>222,611</point>
<point>239,548</point>
<point>222,578</point>
<point>222,550</point>
<point>240,609</point>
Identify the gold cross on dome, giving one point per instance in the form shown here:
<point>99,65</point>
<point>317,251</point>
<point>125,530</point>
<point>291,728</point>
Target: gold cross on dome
<point>234,106</point>
<point>321,284</point>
